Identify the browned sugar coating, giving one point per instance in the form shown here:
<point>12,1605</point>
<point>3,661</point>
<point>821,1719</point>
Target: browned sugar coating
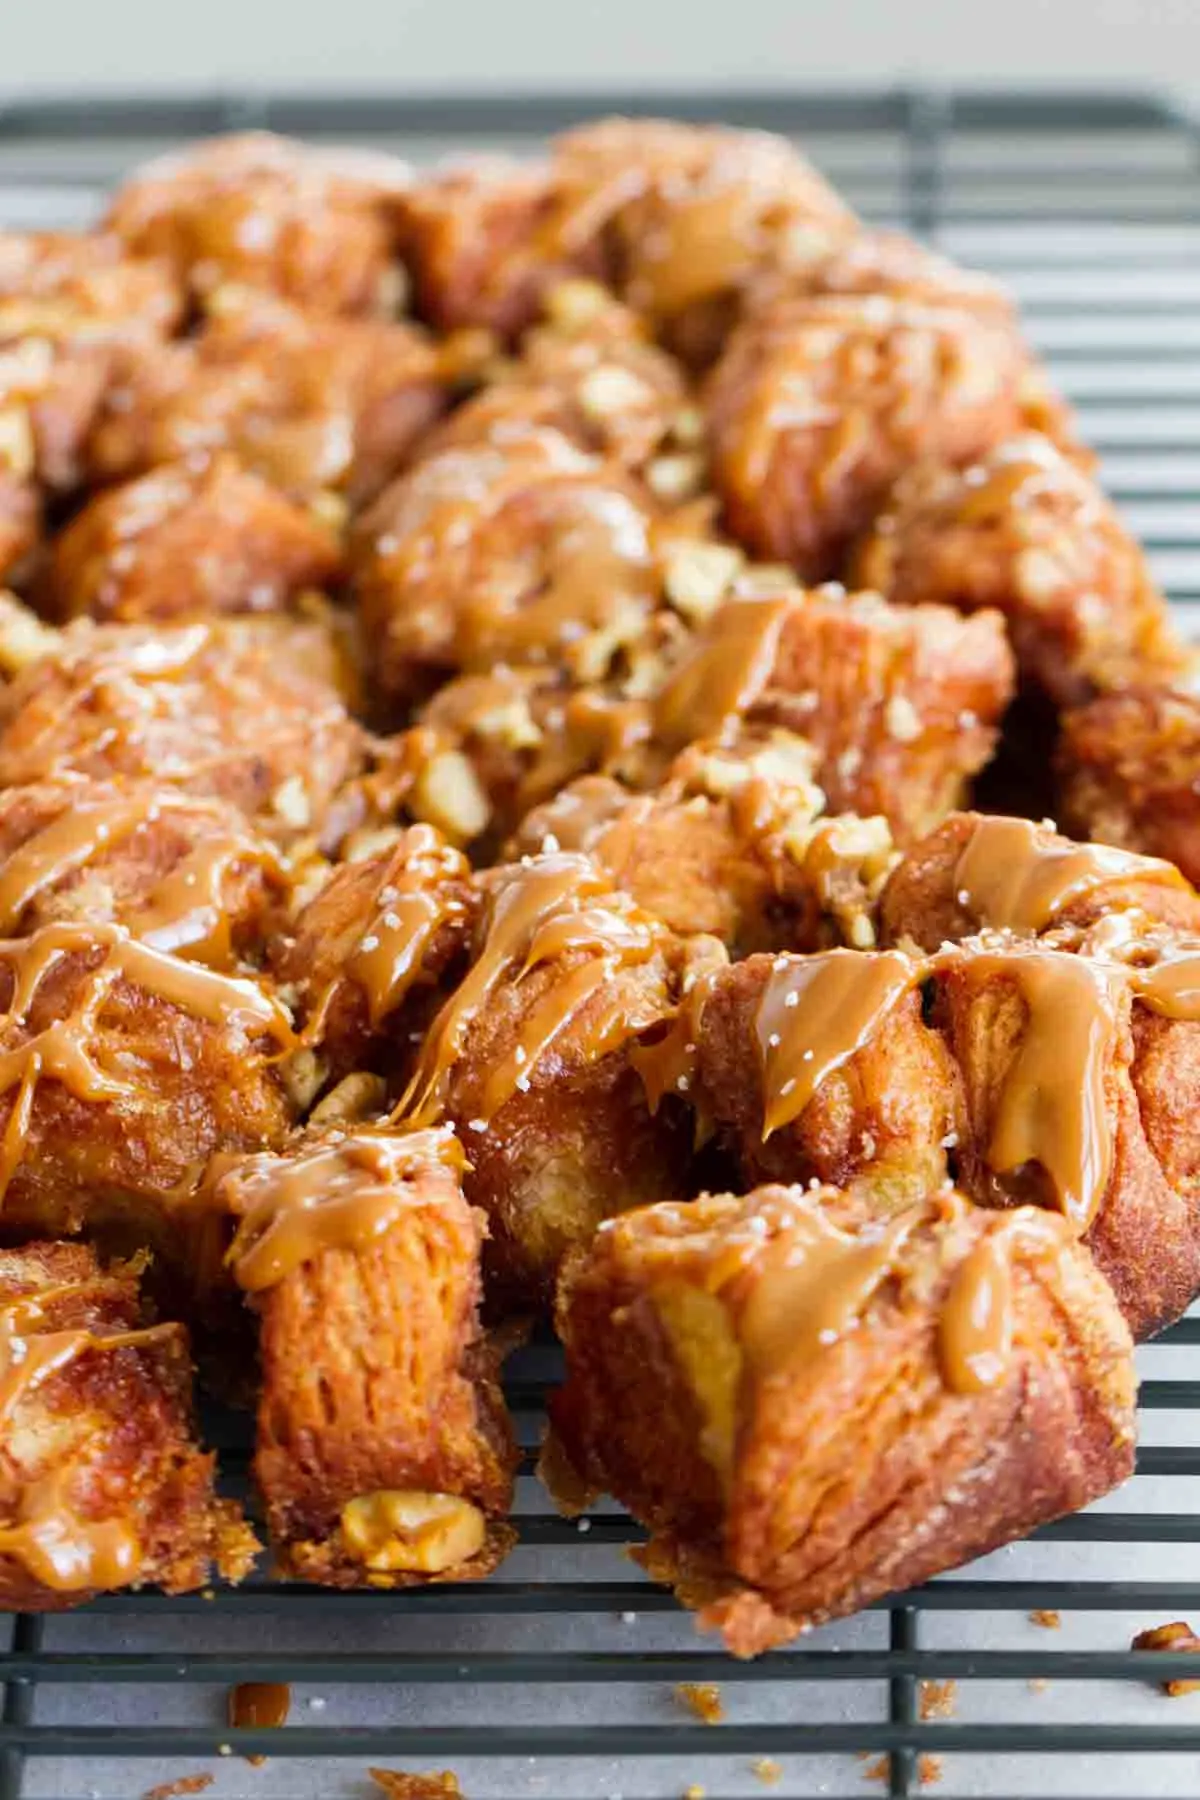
<point>787,1397</point>
<point>817,406</point>
<point>1128,768</point>
<point>313,226</point>
<point>311,404</point>
<point>245,713</point>
<point>376,1380</point>
<point>184,542</point>
<point>1029,533</point>
<point>101,1483</point>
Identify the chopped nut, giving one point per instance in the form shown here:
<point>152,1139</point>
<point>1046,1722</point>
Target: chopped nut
<point>368,841</point>
<point>1038,575</point>
<point>902,719</point>
<point>1176,1636</point>
<point>575,303</point>
<point>393,290</point>
<point>290,800</point>
<point>23,637</point>
<point>676,477</point>
<point>330,510</point>
<point>17,450</point>
<point>511,724</point>
<point>703,1698</point>
<point>403,1528</point>
<point>303,1076</point>
<point>356,1097</point>
<point>687,427</point>
<point>608,390</point>
<point>697,577</point>
<point>447,794</point>
<point>765,578</point>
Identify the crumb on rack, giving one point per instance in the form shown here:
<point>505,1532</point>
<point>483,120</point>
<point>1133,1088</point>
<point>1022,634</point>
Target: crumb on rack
<point>1046,1618</point>
<point>768,1771</point>
<point>186,1784</point>
<point>703,1698</point>
<point>929,1770</point>
<point>938,1699</point>
<point>1178,1635</point>
<point>877,1770</point>
<point>1038,1684</point>
<point>435,1784</point>
<point>694,1792</point>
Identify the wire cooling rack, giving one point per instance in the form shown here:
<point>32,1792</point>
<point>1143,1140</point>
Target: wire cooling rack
<point>556,1678</point>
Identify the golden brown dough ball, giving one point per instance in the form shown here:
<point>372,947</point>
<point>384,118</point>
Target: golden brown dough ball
<point>817,406</point>
<point>184,542</point>
<point>1129,769</point>
<point>1028,533</point>
<point>245,712</point>
<point>317,406</point>
<point>810,1407</point>
<point>103,1484</point>
<point>384,1455</point>
<point>312,225</point>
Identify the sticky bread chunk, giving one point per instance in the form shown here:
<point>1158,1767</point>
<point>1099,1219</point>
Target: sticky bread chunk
<point>822,1068</point>
<point>369,953</point>
<point>810,1407</point>
<point>678,216</point>
<point>248,712</point>
<point>1128,768</point>
<point>182,874</point>
<point>901,703</point>
<point>705,210</point>
<point>71,305</point>
<point>521,551</point>
<point>384,1452</point>
<point>102,1485</point>
<point>590,372</point>
<point>1027,532</point>
<point>122,1070</point>
<point>818,405</point>
<point>978,872</point>
<point>314,226</point>
<point>734,844</point>
<point>887,263</point>
<point>313,405</point>
<point>532,1060</point>
<point>184,542</point>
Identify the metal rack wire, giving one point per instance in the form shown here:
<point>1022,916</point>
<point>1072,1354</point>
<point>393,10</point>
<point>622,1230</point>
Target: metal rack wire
<point>555,1677</point>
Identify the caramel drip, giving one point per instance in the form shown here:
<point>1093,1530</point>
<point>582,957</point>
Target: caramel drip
<point>815,1013</point>
<point>67,843</point>
<point>389,955</point>
<point>539,1031</point>
<point>1171,984</point>
<point>975,1330</point>
<point>260,1705</point>
<point>724,674</point>
<point>700,249</point>
<point>59,1548</point>
<point>537,913</point>
<point>1052,1107</point>
<point>1029,469</point>
<point>813,1284</point>
<point>670,1066</point>
<point>186,912</point>
<point>1015,877</point>
<point>340,1195</point>
<point>63,1049</point>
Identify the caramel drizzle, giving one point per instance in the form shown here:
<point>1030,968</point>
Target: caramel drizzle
<point>1014,876</point>
<point>724,674</point>
<point>409,911</point>
<point>1052,1108</point>
<point>1170,985</point>
<point>816,1012</point>
<point>539,913</point>
<point>60,1549</point>
<point>815,1282</point>
<point>1019,473</point>
<point>975,1329</point>
<point>63,1050</point>
<point>340,1195</point>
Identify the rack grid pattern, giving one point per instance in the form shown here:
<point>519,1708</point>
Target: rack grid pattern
<point>555,1677</point>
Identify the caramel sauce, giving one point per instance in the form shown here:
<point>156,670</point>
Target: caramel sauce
<point>58,1547</point>
<point>723,675</point>
<point>540,912</point>
<point>1170,985</point>
<point>671,1065</point>
<point>260,1705</point>
<point>700,248</point>
<point>64,1049</point>
<point>68,843</point>
<point>1017,474</point>
<point>409,911</point>
<point>185,913</point>
<point>815,1013</point>
<point>1052,1108</point>
<point>338,1195</point>
<point>814,1281</point>
<point>975,1329</point>
<point>1014,876</point>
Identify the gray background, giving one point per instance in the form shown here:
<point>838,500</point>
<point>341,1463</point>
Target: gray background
<point>406,45</point>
